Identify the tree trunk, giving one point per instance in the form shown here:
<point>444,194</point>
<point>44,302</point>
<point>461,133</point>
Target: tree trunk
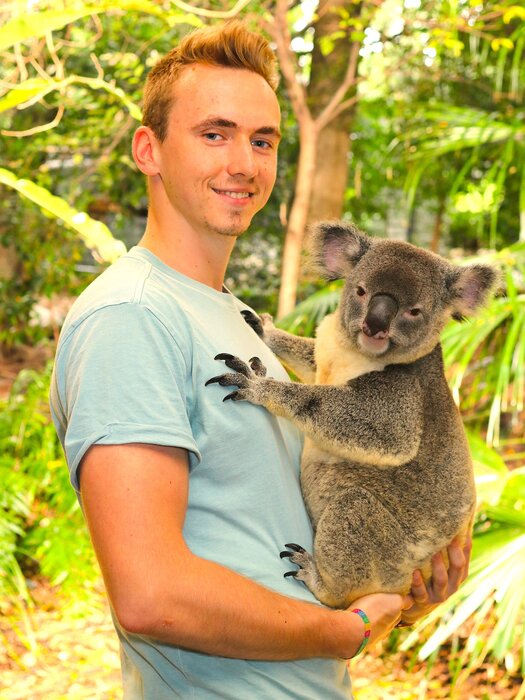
<point>332,96</point>
<point>297,219</point>
<point>333,147</point>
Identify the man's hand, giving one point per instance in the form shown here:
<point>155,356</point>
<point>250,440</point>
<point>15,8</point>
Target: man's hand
<point>443,583</point>
<point>384,610</point>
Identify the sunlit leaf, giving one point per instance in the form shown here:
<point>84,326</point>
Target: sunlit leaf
<point>95,234</point>
<point>34,25</point>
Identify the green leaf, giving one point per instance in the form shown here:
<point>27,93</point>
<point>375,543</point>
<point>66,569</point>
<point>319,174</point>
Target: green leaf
<point>38,24</point>
<point>34,25</point>
<point>34,89</point>
<point>94,233</point>
<point>513,494</point>
<point>489,469</point>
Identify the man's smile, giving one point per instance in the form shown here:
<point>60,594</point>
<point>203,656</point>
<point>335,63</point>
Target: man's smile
<point>234,194</point>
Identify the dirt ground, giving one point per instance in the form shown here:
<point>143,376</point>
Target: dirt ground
<point>23,357</point>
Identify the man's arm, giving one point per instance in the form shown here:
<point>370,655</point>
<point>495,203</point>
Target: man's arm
<point>135,499</point>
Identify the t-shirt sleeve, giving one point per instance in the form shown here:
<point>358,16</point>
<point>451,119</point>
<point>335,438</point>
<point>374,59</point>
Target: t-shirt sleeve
<point>122,378</point>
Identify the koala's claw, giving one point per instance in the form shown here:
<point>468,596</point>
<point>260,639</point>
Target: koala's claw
<point>300,557</point>
<point>257,366</point>
<point>245,376</point>
<point>296,547</point>
<point>234,363</point>
<point>253,321</point>
<point>213,380</point>
<point>234,396</point>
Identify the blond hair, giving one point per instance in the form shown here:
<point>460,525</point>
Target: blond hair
<point>231,45</point>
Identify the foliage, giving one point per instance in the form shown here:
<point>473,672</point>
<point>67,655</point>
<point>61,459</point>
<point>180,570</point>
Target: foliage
<point>487,355</point>
<point>95,234</point>
<point>71,93</point>
<point>307,315</point>
<point>45,262</point>
<point>493,597</point>
<point>460,123</point>
<point>41,525</point>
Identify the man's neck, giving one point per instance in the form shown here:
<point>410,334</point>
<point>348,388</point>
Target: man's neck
<point>202,258</point>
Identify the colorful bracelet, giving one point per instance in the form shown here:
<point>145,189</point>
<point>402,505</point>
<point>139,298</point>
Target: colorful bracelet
<point>366,635</point>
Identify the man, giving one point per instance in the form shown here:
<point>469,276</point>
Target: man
<point>189,500</point>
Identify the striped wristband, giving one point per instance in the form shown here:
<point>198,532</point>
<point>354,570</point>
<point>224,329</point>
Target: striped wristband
<point>366,635</point>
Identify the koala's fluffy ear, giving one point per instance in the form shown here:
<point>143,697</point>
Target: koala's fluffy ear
<point>335,247</point>
<point>468,288</point>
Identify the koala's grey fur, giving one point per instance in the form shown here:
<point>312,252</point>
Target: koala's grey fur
<point>386,472</point>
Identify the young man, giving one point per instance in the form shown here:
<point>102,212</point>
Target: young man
<point>189,500</point>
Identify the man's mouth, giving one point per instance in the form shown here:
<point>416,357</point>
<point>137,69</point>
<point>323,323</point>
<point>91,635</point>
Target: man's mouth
<point>233,194</point>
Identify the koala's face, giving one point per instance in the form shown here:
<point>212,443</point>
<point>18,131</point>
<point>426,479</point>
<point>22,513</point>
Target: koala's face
<point>394,302</point>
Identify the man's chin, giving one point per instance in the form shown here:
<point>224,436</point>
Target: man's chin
<point>233,229</point>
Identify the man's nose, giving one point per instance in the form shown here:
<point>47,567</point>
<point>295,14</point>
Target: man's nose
<point>242,160</point>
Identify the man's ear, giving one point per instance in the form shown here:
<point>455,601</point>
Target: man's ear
<point>469,287</point>
<point>145,151</point>
<point>335,247</point>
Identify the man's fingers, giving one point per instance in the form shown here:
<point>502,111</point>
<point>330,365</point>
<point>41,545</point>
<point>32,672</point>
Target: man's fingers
<point>407,602</point>
<point>439,578</point>
<point>419,589</point>
<point>467,551</point>
<point>457,565</point>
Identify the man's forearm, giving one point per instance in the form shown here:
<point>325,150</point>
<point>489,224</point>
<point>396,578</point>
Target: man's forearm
<point>200,605</point>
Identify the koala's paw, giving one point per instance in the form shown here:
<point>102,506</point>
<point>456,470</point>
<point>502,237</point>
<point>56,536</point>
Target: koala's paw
<point>253,321</point>
<point>307,571</point>
<point>245,376</point>
<point>262,324</point>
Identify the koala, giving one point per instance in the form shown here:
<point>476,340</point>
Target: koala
<point>386,473</point>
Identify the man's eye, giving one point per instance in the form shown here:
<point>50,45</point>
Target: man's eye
<point>212,136</point>
<point>261,143</point>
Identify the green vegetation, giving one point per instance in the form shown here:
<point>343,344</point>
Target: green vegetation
<point>41,525</point>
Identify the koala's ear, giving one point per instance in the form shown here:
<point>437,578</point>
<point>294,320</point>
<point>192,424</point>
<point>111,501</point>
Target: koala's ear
<point>335,247</point>
<point>468,288</point>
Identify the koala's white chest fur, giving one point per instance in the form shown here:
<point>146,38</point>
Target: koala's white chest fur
<point>336,361</point>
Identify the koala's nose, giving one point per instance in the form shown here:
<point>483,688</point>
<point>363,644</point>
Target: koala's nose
<point>381,311</point>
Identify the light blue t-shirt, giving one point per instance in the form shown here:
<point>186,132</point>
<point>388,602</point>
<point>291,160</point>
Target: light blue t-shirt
<point>133,357</point>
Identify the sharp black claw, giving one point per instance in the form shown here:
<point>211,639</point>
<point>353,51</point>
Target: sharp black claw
<point>293,574</point>
<point>223,356</point>
<point>285,554</point>
<point>213,380</point>
<point>295,547</point>
<point>231,397</point>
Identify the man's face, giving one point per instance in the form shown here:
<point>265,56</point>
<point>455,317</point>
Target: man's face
<point>218,161</point>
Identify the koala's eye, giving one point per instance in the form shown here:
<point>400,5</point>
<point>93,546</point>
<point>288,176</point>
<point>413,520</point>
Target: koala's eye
<point>415,312</point>
<point>360,291</point>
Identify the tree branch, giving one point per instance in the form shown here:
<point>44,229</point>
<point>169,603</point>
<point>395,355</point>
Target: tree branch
<point>280,33</point>
<point>350,79</point>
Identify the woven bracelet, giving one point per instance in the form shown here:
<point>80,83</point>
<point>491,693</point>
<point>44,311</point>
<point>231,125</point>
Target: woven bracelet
<point>366,635</point>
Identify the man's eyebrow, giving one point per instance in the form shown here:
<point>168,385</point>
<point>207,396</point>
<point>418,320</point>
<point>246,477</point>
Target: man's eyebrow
<point>269,130</point>
<point>214,122</point>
